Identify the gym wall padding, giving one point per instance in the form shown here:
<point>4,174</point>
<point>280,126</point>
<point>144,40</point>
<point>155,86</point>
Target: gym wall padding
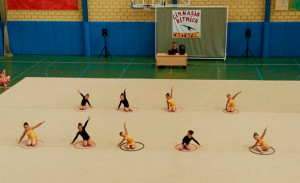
<point>138,38</point>
<point>236,41</point>
<point>66,38</point>
<point>52,38</point>
<point>1,39</point>
<point>211,44</point>
<point>285,39</point>
<point>124,38</point>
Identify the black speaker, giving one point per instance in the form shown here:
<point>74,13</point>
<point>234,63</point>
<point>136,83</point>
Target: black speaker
<point>104,32</point>
<point>248,33</point>
<point>181,49</point>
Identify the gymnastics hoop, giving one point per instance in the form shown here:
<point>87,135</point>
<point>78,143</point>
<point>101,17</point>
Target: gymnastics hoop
<point>178,110</point>
<point>86,110</point>
<point>135,109</point>
<point>256,152</point>
<point>234,112</point>
<point>193,148</point>
<point>38,144</point>
<point>124,148</point>
<point>84,148</point>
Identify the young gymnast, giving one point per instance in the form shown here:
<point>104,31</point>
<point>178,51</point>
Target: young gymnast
<point>230,105</point>
<point>125,102</point>
<point>87,141</point>
<point>32,138</point>
<point>85,99</point>
<point>260,144</point>
<point>128,138</point>
<point>3,78</point>
<point>186,141</point>
<point>170,102</point>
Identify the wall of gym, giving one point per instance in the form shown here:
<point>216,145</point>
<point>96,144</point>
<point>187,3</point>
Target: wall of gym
<point>131,31</point>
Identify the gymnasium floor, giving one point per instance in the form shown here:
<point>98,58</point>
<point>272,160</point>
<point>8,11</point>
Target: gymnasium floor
<point>223,157</point>
<point>21,66</point>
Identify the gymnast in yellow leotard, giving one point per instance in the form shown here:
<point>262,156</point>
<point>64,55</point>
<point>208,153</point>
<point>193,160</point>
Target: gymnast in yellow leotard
<point>170,101</point>
<point>128,138</point>
<point>32,138</point>
<point>260,144</point>
<point>230,105</point>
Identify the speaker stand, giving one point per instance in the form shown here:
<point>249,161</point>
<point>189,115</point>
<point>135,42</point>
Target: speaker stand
<point>247,53</point>
<point>105,50</point>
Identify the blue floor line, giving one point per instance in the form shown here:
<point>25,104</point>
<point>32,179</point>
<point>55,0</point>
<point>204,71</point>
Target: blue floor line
<point>124,70</point>
<point>259,73</point>
<point>84,71</point>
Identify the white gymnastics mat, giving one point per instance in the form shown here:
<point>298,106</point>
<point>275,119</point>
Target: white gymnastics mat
<point>224,156</point>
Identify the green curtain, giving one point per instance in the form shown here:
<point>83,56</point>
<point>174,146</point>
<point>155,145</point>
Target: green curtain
<point>3,11</point>
<point>211,44</point>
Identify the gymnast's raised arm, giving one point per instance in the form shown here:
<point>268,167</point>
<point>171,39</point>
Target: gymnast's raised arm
<point>262,136</point>
<point>125,93</point>
<point>38,125</point>
<point>80,93</point>
<point>126,132</point>
<point>85,124</point>
<point>236,94</point>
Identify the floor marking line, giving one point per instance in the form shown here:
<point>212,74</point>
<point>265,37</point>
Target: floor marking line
<point>29,69</point>
<point>218,70</point>
<point>297,63</point>
<point>170,73</point>
<point>259,73</point>
<point>46,71</point>
<point>252,64</point>
<point>124,70</point>
<point>226,68</point>
<point>84,71</point>
<point>299,67</point>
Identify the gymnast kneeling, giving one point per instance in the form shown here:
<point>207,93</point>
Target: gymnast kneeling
<point>170,102</point>
<point>230,104</point>
<point>128,138</point>
<point>87,141</point>
<point>125,102</point>
<point>260,144</point>
<point>4,79</point>
<point>186,141</point>
<point>32,138</point>
<point>85,99</point>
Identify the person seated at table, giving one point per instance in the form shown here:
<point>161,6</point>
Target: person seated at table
<point>174,48</point>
